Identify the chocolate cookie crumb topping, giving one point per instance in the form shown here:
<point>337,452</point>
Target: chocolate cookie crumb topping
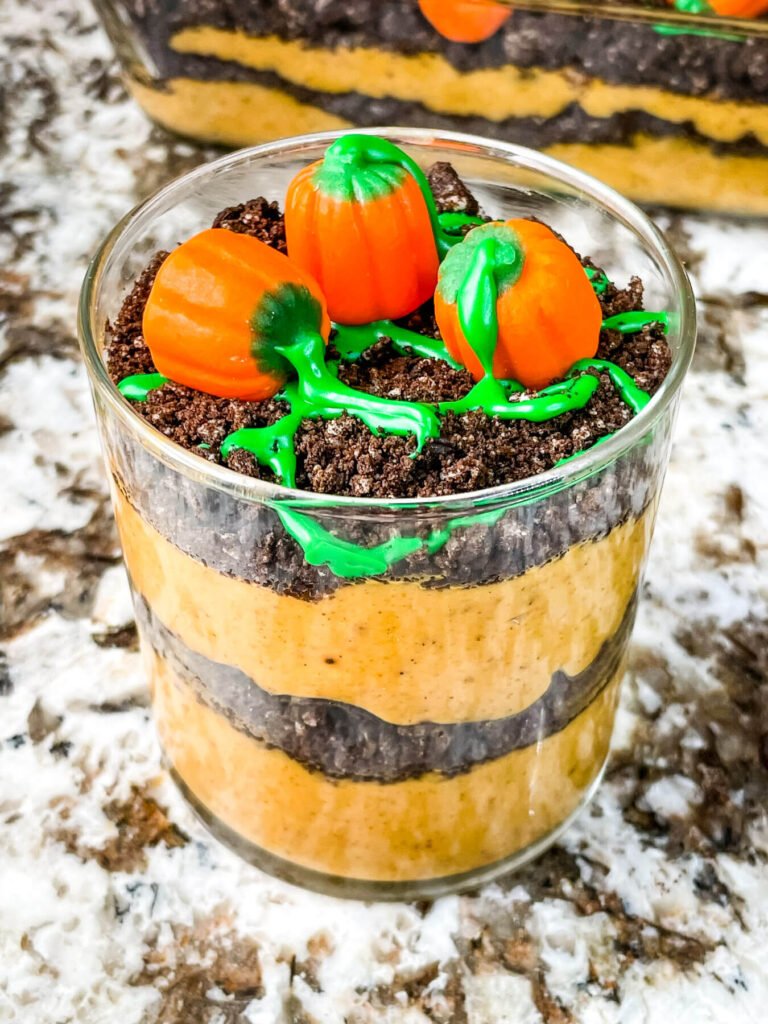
<point>343,456</point>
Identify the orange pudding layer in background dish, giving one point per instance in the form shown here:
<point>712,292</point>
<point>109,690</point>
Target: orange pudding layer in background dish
<point>384,702</point>
<point>675,117</point>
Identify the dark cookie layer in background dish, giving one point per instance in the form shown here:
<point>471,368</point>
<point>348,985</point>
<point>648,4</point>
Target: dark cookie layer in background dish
<point>614,51</point>
<point>346,741</point>
<point>571,125</point>
<point>247,540</point>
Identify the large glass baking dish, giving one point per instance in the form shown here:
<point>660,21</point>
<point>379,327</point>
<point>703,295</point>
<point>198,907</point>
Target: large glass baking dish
<point>668,106</point>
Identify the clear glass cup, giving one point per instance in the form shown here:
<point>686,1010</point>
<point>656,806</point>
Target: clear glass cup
<point>413,732</point>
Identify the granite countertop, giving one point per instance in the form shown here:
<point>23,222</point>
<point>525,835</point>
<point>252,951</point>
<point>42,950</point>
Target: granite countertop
<point>115,905</point>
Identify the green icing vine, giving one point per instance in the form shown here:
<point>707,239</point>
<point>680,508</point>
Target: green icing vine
<point>352,561</point>
<point>343,557</point>
<point>137,387</point>
<point>490,395</point>
<point>319,394</point>
<point>352,341</point>
<point>477,294</point>
<point>598,280</point>
<point>629,392</point>
<point>628,323</point>
<point>271,446</point>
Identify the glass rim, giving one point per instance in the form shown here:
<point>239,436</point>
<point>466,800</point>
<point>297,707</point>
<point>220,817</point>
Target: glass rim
<point>526,490</point>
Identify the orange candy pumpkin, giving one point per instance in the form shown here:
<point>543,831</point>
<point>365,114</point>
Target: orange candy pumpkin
<point>465,21</point>
<point>546,314</point>
<point>219,305</point>
<point>359,222</point>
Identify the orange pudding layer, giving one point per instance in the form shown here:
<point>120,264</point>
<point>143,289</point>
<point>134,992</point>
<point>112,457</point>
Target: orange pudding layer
<point>423,828</point>
<point>408,654</point>
<point>404,652</point>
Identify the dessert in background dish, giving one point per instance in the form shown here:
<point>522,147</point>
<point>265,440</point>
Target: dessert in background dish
<point>398,698</point>
<point>663,112</point>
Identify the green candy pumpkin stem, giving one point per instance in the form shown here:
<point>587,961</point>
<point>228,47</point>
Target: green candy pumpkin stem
<point>352,151</point>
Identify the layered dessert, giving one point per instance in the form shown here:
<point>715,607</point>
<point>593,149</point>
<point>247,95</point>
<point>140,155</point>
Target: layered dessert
<point>387,694</point>
<point>662,113</point>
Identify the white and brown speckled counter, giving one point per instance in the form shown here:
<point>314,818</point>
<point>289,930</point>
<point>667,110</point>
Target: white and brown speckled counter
<point>114,902</point>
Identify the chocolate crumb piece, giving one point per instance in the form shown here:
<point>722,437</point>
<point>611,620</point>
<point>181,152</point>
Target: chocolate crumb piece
<point>338,457</point>
<point>620,300</point>
<point>126,352</point>
<point>380,371</point>
<point>450,192</point>
<point>257,217</point>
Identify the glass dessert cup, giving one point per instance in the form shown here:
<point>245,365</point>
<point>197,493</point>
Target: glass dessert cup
<point>387,698</point>
<point>666,104</point>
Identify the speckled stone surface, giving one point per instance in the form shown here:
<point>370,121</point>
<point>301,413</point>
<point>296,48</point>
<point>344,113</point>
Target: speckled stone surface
<point>115,905</point>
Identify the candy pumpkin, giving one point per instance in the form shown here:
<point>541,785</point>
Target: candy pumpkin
<point>513,301</point>
<point>220,304</point>
<point>465,21</point>
<point>362,221</point>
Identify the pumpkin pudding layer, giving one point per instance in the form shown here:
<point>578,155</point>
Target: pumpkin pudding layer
<point>666,117</point>
<point>367,697</point>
